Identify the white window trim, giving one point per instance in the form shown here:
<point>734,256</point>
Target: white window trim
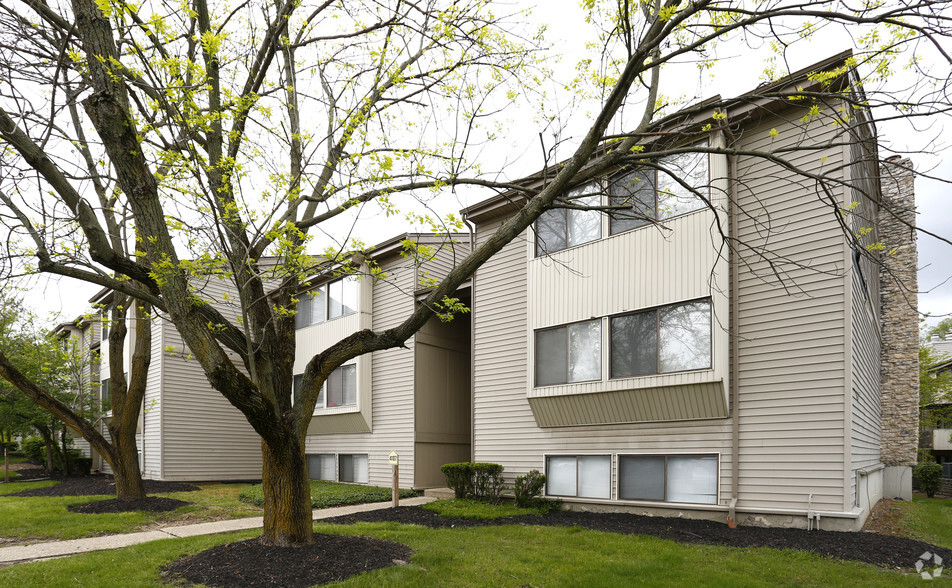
<point>343,409</point>
<point>614,471</point>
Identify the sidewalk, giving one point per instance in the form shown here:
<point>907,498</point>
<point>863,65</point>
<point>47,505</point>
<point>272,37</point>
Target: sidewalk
<point>20,553</point>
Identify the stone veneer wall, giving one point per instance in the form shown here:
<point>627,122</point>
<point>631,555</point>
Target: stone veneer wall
<point>899,286</point>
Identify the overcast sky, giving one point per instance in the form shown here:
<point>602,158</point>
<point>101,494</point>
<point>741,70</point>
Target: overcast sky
<point>735,74</point>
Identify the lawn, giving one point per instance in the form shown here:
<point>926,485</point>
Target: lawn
<point>34,518</point>
<point>41,518</point>
<point>496,556</point>
<point>928,519</point>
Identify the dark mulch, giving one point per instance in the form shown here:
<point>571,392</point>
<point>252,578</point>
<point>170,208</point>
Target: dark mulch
<point>101,484</point>
<point>331,558</point>
<point>881,550</point>
<point>149,503</point>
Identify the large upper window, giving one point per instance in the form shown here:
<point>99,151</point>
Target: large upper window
<point>671,338</point>
<point>645,193</point>
<point>669,478</point>
<point>327,301</point>
<point>651,194</point>
<point>570,353</point>
<point>667,339</point>
<point>340,388</point>
<point>559,228</point>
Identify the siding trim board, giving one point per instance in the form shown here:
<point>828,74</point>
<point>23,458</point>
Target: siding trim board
<point>669,403</point>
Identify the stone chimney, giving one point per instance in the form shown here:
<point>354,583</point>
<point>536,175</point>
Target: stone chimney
<point>900,327</point>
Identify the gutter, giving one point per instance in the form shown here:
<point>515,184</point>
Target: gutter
<point>472,344</point>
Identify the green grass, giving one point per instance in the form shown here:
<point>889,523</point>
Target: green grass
<point>327,494</point>
<point>497,556</point>
<point>471,509</point>
<point>929,519</point>
<point>39,518</point>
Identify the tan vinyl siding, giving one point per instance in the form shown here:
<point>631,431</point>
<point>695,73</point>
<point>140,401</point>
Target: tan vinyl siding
<point>447,253</point>
<point>792,339</point>
<point>152,404</point>
<point>866,413</point>
<point>203,436</point>
<point>391,387</point>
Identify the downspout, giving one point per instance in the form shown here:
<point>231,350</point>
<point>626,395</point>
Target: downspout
<point>734,342</point>
<point>472,346</point>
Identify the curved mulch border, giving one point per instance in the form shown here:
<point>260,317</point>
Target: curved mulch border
<point>149,503</point>
<point>882,550</point>
<point>331,558</point>
<point>100,484</point>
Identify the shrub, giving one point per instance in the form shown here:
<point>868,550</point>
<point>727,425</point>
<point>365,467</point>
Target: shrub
<point>34,449</point>
<point>459,477</point>
<point>929,476</point>
<point>487,482</point>
<point>10,446</point>
<point>80,466</point>
<point>924,455</point>
<point>528,488</point>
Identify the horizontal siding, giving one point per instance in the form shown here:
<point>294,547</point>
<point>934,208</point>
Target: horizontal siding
<point>447,253</point>
<point>203,436</point>
<point>792,338</point>
<point>152,405</point>
<point>391,387</point>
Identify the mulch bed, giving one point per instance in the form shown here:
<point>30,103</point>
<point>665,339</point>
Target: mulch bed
<point>149,503</point>
<point>248,563</point>
<point>881,550</point>
<point>101,484</point>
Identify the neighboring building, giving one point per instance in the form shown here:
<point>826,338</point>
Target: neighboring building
<point>414,400</point>
<point>725,363</point>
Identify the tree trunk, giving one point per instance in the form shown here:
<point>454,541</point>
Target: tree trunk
<point>287,495</point>
<point>125,464</point>
<point>65,452</point>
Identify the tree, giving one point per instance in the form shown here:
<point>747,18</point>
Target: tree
<point>222,135</point>
<point>49,384</point>
<point>942,329</point>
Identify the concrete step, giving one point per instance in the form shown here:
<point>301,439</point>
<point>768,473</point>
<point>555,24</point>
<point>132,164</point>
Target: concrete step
<point>439,493</point>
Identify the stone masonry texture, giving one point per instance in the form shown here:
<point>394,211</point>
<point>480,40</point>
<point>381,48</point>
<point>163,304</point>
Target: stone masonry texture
<point>898,287</point>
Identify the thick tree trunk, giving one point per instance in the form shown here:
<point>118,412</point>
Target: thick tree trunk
<point>287,495</point>
<point>129,484</point>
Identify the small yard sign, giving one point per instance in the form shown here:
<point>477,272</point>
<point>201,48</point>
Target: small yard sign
<point>394,458</point>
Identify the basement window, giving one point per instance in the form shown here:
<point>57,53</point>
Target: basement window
<point>668,478</point>
<point>353,468</point>
<point>322,466</point>
<point>582,476</point>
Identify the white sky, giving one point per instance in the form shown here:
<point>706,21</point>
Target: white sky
<point>734,75</point>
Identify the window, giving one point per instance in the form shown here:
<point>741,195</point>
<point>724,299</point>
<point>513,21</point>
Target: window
<point>327,301</point>
<point>667,339</point>
<point>570,353</point>
<point>668,478</point>
<point>105,394</point>
<point>104,333</point>
<point>584,476</point>
<point>559,228</point>
<point>322,466</point>
<point>340,388</point>
<point>651,194</point>
<point>353,468</point>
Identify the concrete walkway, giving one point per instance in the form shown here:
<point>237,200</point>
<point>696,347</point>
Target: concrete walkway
<point>20,553</point>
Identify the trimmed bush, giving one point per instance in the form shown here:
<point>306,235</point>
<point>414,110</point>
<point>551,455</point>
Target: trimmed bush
<point>481,481</point>
<point>929,476</point>
<point>459,477</point>
<point>487,482</point>
<point>528,488</point>
<point>81,466</point>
